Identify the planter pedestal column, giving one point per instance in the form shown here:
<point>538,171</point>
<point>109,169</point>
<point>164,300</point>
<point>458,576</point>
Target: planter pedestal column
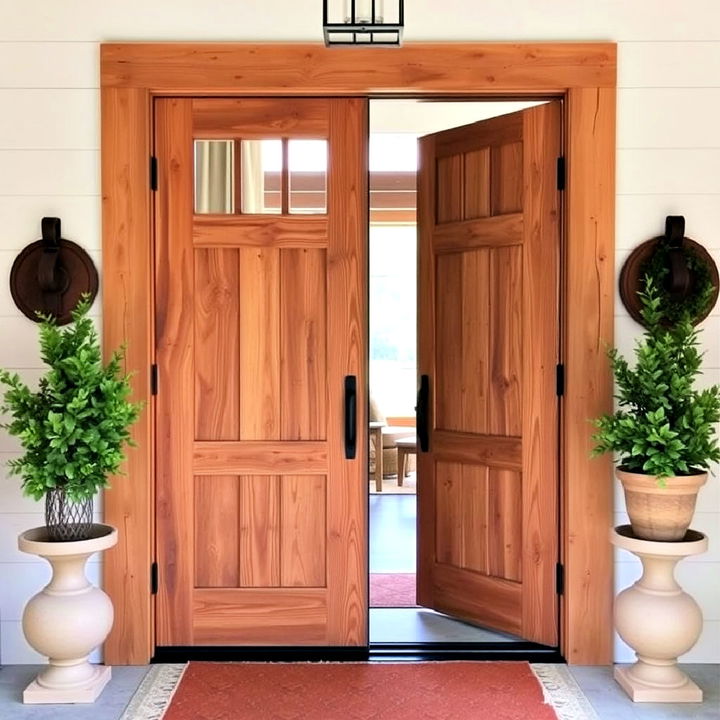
<point>68,619</point>
<point>657,619</point>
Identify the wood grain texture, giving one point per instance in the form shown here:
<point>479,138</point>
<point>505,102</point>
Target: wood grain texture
<point>499,231</point>
<point>494,450</point>
<point>303,530</point>
<point>449,198</point>
<point>480,135</point>
<point>507,180</point>
<point>505,524</point>
<point>174,346</point>
<point>266,457</point>
<point>588,70</point>
<point>541,332</point>
<point>216,531</point>
<point>426,361</point>
<point>127,318</point>
<point>347,570</point>
<point>216,342</point>
<point>448,356</point>
<point>474,345</point>
<point>494,441</point>
<point>589,287</point>
<point>250,616</point>
<point>507,336</point>
<point>254,118</point>
<point>259,536</point>
<point>477,183</point>
<point>303,345</point>
<point>311,69</point>
<point>468,595</point>
<point>259,231</point>
<point>259,365</point>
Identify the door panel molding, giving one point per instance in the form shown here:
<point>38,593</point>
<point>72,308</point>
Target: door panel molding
<point>583,73</point>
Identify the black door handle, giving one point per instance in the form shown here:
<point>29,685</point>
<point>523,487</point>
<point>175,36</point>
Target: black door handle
<point>350,416</point>
<point>423,403</point>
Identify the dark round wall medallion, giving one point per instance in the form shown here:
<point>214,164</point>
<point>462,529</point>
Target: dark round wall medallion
<point>684,269</point>
<point>49,276</point>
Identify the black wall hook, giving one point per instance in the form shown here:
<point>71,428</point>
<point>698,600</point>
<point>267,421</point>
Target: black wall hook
<point>49,276</point>
<point>684,261</point>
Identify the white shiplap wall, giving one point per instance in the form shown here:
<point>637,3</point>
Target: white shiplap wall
<point>668,163</point>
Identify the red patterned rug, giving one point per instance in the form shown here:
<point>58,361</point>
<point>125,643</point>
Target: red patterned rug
<point>361,691</point>
<point>392,590</point>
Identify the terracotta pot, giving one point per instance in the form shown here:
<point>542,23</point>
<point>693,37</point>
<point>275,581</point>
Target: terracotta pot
<point>660,513</point>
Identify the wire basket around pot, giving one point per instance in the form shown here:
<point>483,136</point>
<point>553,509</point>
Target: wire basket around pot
<point>65,519</point>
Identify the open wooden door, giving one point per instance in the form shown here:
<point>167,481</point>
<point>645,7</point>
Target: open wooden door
<point>489,252</point>
<point>260,328</point>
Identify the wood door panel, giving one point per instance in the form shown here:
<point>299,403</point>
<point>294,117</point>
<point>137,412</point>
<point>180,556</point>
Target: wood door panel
<point>256,118</point>
<point>505,343</point>
<point>217,372</point>
<point>449,202</point>
<point>464,594</point>
<point>448,397</point>
<point>303,344</point>
<point>488,213</point>
<point>263,457</point>
<point>508,178</point>
<point>262,527</point>
<point>216,531</point>
<point>476,183</point>
<point>259,347</point>
<point>491,450</point>
<point>504,524</point>
<point>497,231</point>
<point>251,230</point>
<point>303,530</point>
<point>259,537</point>
<point>247,616</point>
<point>478,522</point>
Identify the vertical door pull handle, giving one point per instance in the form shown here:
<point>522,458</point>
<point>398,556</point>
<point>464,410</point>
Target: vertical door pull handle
<point>350,416</point>
<point>422,420</point>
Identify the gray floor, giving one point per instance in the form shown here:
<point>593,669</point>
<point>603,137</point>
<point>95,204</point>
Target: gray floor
<point>605,695</point>
<point>392,550</point>
<point>109,706</point>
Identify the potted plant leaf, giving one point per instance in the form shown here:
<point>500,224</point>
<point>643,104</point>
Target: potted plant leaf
<point>664,428</point>
<point>72,430</point>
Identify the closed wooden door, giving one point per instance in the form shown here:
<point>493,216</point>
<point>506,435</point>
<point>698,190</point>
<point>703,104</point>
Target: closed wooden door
<point>488,217</point>
<point>260,317</point>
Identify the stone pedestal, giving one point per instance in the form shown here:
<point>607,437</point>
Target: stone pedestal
<point>657,619</point>
<point>68,619</point>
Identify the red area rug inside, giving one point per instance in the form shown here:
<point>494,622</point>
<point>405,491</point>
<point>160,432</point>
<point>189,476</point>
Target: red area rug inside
<point>359,691</point>
<point>392,590</point>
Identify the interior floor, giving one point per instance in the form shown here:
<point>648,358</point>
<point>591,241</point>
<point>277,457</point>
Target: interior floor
<point>392,550</point>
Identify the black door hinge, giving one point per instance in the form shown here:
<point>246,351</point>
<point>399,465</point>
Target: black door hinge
<point>560,579</point>
<point>153,173</point>
<point>154,578</point>
<point>153,379</point>
<point>560,379</point>
<point>561,173</point>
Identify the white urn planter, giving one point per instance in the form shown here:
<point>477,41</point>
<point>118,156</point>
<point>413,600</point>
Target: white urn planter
<point>658,619</point>
<point>68,618</point>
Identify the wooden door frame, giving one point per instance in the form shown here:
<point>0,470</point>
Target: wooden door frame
<point>583,74</point>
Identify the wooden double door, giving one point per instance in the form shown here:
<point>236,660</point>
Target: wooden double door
<point>261,349</point>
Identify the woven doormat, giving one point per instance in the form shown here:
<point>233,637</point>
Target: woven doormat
<point>335,691</point>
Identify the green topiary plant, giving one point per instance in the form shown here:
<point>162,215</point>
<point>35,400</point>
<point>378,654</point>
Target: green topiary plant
<point>664,427</point>
<point>74,427</point>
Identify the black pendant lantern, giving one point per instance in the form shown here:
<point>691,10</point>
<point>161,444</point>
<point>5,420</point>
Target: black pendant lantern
<point>363,22</point>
